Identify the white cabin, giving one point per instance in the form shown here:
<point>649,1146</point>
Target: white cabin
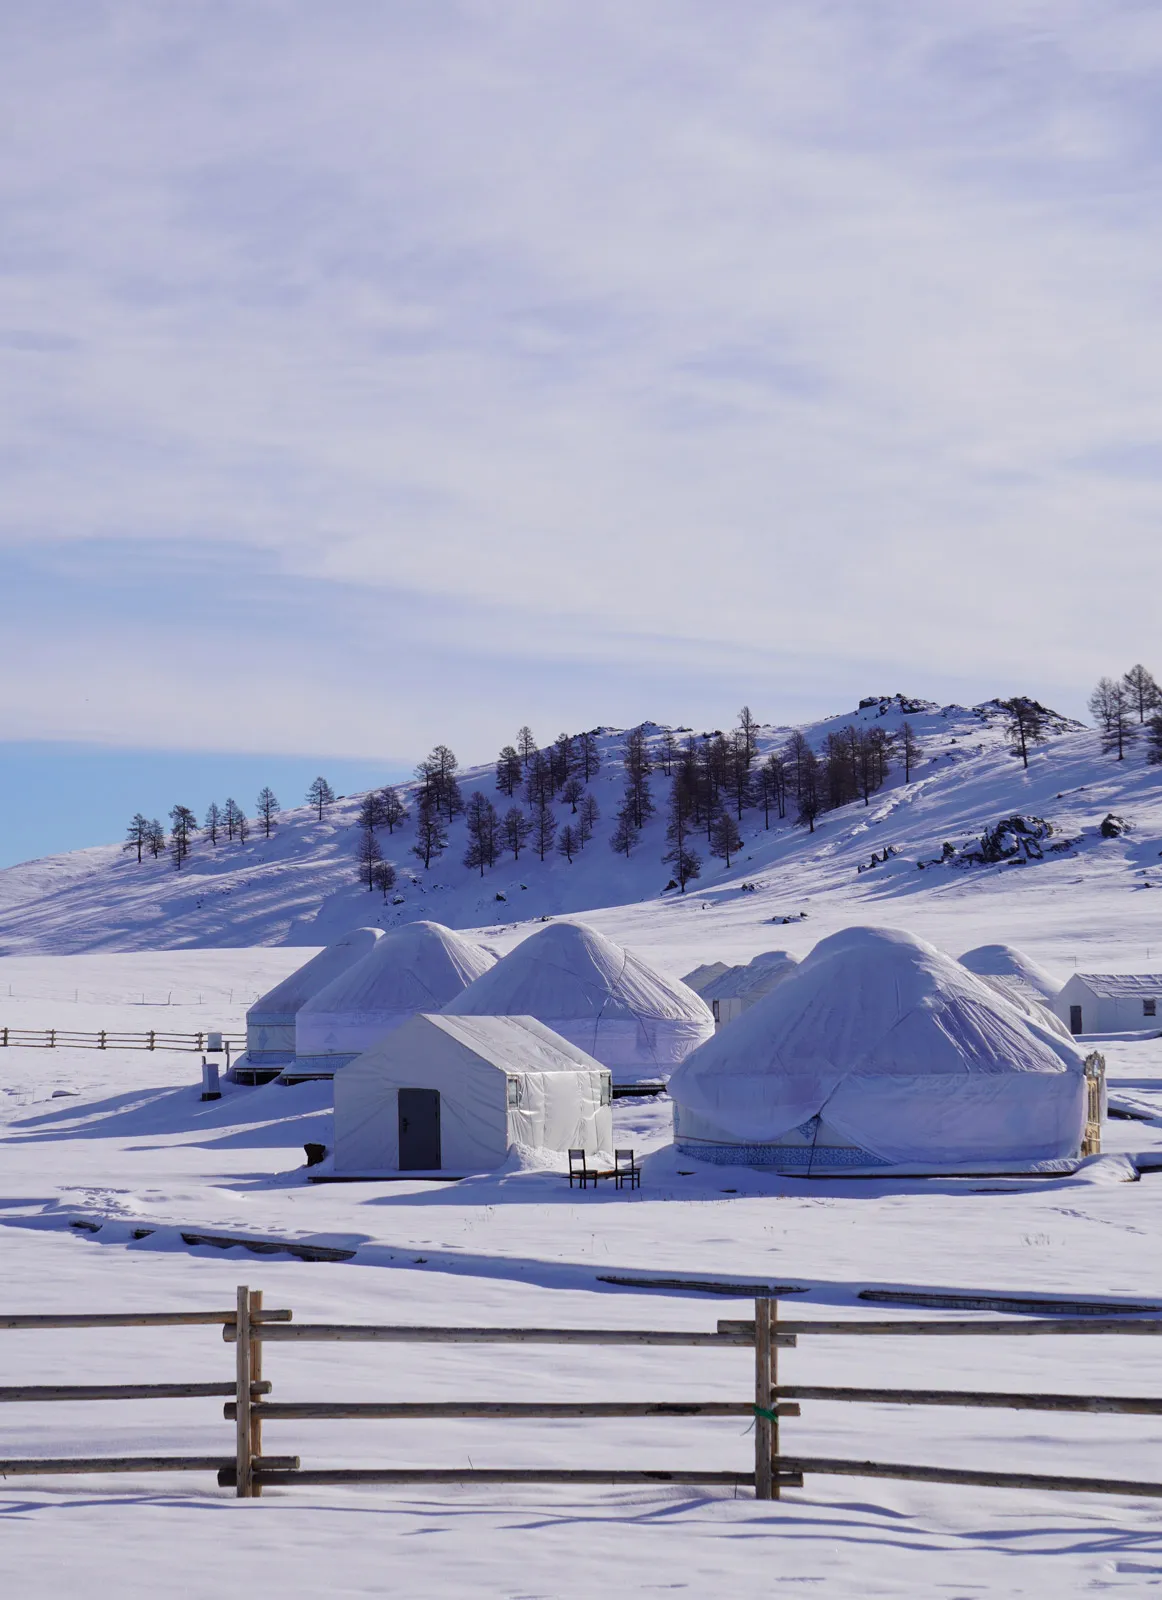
<point>1110,1002</point>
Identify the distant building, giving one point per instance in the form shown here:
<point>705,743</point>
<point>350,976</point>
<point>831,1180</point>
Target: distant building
<point>737,988</point>
<point>1110,1002</point>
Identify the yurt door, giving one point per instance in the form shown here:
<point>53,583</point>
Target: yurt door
<point>419,1130</point>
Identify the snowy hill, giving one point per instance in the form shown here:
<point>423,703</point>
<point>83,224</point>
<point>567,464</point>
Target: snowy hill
<point>301,887</point>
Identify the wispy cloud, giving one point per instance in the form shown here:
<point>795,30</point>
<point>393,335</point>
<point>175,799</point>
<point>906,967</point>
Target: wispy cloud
<point>578,356</point>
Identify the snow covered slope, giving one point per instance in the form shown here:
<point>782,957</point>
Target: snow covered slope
<point>301,887</point>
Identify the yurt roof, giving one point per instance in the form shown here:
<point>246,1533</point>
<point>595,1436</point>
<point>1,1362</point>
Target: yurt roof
<point>569,970</point>
<point>771,966</point>
<point>286,997</point>
<point>417,967</point>
<point>1005,961</point>
<point>702,976</point>
<point>510,1044</point>
<point>876,1001</point>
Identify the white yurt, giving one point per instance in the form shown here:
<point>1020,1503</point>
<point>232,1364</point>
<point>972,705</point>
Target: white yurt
<point>879,1051</point>
<point>455,1094</point>
<point>270,1022</point>
<point>734,991</point>
<point>598,996</point>
<point>706,973</point>
<point>1013,972</point>
<point>418,967</point>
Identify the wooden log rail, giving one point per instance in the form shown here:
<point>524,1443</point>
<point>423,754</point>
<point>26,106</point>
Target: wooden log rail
<point>109,1039</point>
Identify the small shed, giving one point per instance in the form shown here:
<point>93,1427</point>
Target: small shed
<point>455,1094</point>
<point>1110,1002</point>
<point>734,991</point>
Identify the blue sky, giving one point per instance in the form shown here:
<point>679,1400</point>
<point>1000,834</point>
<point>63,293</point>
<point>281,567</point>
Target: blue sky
<point>381,373</point>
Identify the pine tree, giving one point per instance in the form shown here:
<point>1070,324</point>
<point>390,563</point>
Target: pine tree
<point>383,877</point>
<point>1024,724</point>
<point>1144,693</point>
<point>562,759</point>
<point>515,829</point>
<point>431,831</point>
<point>392,809</point>
<point>243,824</point>
<point>231,815</point>
<point>509,771</point>
<point>369,856</point>
<point>183,823</point>
<point>568,843</point>
<point>772,787</point>
<point>213,822</point>
<point>681,857</point>
<point>371,811</point>
<point>809,801</point>
<point>737,777</point>
<point>636,759</point>
<point>526,745</point>
<point>538,781</point>
<point>1154,739</point>
<point>624,835</point>
<point>155,838</point>
<point>544,830</point>
<point>437,774</point>
<point>909,749</point>
<point>749,732</point>
<point>320,795</point>
<point>483,832</point>
<point>667,751</point>
<point>572,792</point>
<point>587,815</point>
<point>1111,707</point>
<point>137,835</point>
<point>267,806</point>
<point>725,839</point>
<point>588,754</point>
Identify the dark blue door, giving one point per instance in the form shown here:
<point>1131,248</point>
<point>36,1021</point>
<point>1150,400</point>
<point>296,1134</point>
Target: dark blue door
<point>419,1130</point>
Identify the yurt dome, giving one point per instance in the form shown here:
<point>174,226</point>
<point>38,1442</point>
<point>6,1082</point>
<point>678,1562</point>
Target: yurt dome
<point>738,988</point>
<point>1004,962</point>
<point>878,1050</point>
<point>598,996</point>
<point>270,1022</point>
<point>418,967</point>
<point>705,974</point>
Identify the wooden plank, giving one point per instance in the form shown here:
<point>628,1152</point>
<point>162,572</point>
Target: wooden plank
<point>743,1291</point>
<point>368,1333</point>
<point>807,1465</point>
<point>33,1394</point>
<point>763,1487</point>
<point>531,1475</point>
<point>269,1247</point>
<point>389,1410</point>
<point>255,1376</point>
<point>955,1329</point>
<point>242,1348</point>
<point>134,1319</point>
<point>1124,1405</point>
<point>61,1466</point>
<point>1005,1302</point>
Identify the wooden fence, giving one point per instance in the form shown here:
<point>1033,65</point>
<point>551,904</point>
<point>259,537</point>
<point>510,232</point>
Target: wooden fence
<point>249,1327</point>
<point>104,1039</point>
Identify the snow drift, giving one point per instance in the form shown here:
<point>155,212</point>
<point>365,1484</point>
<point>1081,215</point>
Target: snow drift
<point>419,967</point>
<point>880,1050</point>
<point>597,995</point>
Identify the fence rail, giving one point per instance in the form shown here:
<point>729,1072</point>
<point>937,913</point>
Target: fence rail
<point>108,1039</point>
<point>249,1326</point>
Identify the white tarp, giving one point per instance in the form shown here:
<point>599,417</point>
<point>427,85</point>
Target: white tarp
<point>270,1022</point>
<point>502,1081</point>
<point>597,995</point>
<point>1006,962</point>
<point>754,978</point>
<point>898,1049</point>
<point>418,967</point>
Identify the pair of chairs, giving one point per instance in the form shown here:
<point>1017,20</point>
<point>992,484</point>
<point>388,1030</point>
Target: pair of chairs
<point>624,1170</point>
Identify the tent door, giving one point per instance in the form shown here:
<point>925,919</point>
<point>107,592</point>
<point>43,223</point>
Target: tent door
<point>419,1130</point>
<point>1075,1019</point>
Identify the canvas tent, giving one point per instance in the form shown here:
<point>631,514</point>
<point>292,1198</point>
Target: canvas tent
<point>705,974</point>
<point>598,996</point>
<point>1018,977</point>
<point>734,991</point>
<point>455,1094</point>
<point>879,1051</point>
<point>270,1022</point>
<point>1110,1002</point>
<point>418,967</point>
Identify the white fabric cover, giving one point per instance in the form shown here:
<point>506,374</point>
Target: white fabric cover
<point>597,995</point>
<point>270,1022</point>
<point>470,1061</point>
<point>418,967</point>
<point>755,978</point>
<point>903,1051</point>
<point>706,973</point>
<point>1004,961</point>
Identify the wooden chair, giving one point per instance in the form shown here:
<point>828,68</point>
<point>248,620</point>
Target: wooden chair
<point>580,1171</point>
<point>625,1169</point>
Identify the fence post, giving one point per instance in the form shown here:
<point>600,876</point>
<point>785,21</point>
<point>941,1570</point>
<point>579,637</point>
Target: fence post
<point>763,1432</point>
<point>101,1046</point>
<point>242,1348</point>
<point>255,1377</point>
<point>151,1038</point>
<point>52,1038</point>
<point>6,1038</point>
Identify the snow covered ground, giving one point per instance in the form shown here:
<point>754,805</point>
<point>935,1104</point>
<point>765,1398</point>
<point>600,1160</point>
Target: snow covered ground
<point>130,1149</point>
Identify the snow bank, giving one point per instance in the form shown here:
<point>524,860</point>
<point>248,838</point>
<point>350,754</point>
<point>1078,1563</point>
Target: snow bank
<point>880,1049</point>
<point>597,995</point>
